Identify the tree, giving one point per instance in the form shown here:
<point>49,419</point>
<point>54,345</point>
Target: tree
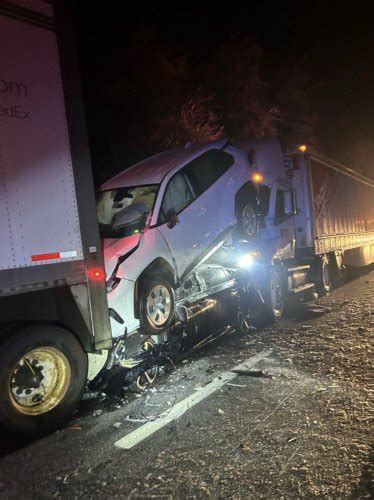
<point>145,101</point>
<point>292,92</point>
<point>236,91</point>
<point>162,100</point>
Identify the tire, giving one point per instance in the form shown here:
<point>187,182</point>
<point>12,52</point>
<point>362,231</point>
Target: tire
<point>274,295</point>
<point>247,220</point>
<point>324,282</point>
<point>157,304</point>
<point>148,377</point>
<point>43,372</point>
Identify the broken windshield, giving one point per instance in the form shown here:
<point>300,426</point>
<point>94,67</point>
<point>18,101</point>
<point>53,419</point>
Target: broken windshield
<point>124,211</point>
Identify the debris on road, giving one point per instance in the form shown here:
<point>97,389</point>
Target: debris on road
<point>302,435</point>
<point>74,428</point>
<point>253,373</point>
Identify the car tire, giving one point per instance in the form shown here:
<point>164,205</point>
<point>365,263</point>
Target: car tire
<point>156,304</point>
<point>274,295</point>
<point>247,220</point>
<point>43,373</point>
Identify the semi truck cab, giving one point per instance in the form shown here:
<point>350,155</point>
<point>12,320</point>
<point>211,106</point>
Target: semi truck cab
<point>315,218</point>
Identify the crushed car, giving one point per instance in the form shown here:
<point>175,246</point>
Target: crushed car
<point>161,218</point>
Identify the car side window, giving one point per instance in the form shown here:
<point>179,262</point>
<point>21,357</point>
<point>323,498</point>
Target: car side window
<point>203,171</point>
<point>178,195</point>
<point>280,207</point>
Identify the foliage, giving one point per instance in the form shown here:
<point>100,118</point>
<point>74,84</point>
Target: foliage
<point>162,100</point>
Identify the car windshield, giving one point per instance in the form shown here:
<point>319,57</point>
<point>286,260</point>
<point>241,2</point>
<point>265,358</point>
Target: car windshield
<point>124,211</point>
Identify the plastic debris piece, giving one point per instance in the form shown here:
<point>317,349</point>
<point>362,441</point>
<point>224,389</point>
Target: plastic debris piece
<point>253,373</point>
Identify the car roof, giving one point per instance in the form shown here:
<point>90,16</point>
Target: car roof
<point>153,169</point>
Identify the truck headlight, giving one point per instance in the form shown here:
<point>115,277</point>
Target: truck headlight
<point>245,261</point>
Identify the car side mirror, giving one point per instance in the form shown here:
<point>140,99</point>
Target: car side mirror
<point>172,218</point>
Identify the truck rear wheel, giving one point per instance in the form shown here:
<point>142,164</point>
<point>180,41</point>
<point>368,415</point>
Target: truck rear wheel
<point>324,282</point>
<point>43,371</point>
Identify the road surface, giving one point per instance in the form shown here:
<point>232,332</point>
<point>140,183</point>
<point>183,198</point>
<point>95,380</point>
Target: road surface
<point>293,420</point>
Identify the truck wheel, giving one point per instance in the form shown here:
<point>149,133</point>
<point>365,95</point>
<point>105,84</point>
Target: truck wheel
<point>156,305</point>
<point>247,220</point>
<point>324,282</point>
<point>274,296</point>
<point>43,371</point>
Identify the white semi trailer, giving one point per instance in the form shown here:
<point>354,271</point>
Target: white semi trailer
<point>316,218</point>
<point>53,308</point>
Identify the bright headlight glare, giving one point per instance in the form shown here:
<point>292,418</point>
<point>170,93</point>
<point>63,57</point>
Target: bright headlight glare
<point>245,260</point>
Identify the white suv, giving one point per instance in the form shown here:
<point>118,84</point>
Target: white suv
<point>163,216</point>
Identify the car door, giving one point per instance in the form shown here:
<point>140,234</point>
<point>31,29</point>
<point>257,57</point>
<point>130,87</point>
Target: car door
<point>183,237</point>
<point>189,192</point>
<point>211,183</point>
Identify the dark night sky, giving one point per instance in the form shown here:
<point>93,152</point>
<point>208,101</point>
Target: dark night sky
<point>335,41</point>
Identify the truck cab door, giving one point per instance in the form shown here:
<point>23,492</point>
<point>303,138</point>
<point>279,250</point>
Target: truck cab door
<point>278,234</point>
<point>283,208</point>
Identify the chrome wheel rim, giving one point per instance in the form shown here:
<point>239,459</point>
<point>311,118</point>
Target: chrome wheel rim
<point>148,377</point>
<point>158,305</point>
<point>276,294</point>
<point>326,275</point>
<point>39,380</point>
<point>249,220</point>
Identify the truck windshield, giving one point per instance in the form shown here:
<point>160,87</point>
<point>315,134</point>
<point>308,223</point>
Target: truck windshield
<point>124,211</point>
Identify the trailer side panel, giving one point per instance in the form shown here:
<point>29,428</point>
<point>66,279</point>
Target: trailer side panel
<point>343,209</point>
<point>39,221</point>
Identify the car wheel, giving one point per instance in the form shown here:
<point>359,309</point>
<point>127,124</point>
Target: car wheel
<point>157,304</point>
<point>248,220</point>
<point>149,376</point>
<point>42,378</point>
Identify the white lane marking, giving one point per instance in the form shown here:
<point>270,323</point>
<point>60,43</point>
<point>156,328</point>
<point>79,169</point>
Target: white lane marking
<point>144,431</point>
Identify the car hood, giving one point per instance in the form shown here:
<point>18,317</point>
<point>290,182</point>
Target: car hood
<point>114,248</point>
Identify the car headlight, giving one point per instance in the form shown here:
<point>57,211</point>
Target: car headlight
<point>112,282</point>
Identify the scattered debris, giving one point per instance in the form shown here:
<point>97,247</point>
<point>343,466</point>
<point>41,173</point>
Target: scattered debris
<point>74,428</point>
<point>253,373</point>
<point>138,420</point>
<point>240,449</point>
<point>117,424</point>
<point>236,385</point>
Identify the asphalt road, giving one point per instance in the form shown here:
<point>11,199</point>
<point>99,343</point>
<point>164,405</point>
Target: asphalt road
<point>294,421</point>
